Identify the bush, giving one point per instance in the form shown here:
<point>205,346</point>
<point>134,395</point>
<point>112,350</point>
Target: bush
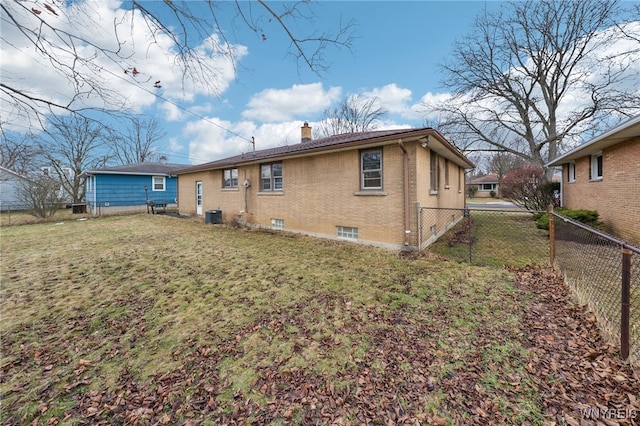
<point>493,194</point>
<point>41,195</point>
<point>588,217</point>
<point>527,186</point>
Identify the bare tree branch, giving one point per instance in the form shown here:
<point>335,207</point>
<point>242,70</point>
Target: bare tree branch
<point>356,113</point>
<point>193,34</point>
<point>538,74</point>
<point>74,145</point>
<point>135,144</point>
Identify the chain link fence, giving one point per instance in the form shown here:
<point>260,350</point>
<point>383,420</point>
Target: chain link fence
<point>489,237</point>
<point>603,273</point>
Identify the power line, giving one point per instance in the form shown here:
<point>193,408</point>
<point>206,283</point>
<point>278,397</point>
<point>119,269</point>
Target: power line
<point>179,106</point>
<point>187,110</point>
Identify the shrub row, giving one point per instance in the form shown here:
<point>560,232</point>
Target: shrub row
<point>588,217</point>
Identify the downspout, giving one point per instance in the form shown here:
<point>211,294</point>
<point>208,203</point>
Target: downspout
<point>177,196</point>
<point>95,195</point>
<point>405,167</point>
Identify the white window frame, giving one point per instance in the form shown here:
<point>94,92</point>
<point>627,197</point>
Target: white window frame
<point>491,186</point>
<point>571,172</point>
<point>153,183</point>
<point>277,223</point>
<point>596,175</point>
<point>68,172</point>
<point>347,232</point>
<point>366,173</point>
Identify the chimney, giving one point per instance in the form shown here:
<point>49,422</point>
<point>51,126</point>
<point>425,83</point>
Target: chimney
<point>306,132</point>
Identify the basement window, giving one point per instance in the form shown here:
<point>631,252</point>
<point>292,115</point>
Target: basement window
<point>277,223</point>
<point>348,232</point>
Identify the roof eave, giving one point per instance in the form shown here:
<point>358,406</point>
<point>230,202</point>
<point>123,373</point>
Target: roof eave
<point>100,172</point>
<point>623,132</point>
<point>364,143</point>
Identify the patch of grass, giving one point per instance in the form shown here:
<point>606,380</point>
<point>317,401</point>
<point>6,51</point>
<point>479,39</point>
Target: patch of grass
<point>497,238</point>
<point>12,218</point>
<point>235,315</point>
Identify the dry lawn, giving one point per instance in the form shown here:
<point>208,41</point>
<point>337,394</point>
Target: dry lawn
<point>157,320</point>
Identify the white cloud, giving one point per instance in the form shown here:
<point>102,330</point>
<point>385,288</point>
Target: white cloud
<point>398,101</point>
<point>171,111</point>
<point>299,100</point>
<point>209,140</point>
<point>97,21</point>
<point>393,98</point>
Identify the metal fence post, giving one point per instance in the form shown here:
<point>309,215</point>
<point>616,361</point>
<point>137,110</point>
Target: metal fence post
<point>552,237</point>
<point>419,226</point>
<point>625,303</point>
<point>470,235</point>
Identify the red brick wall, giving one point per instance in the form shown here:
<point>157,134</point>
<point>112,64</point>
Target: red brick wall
<point>617,196</point>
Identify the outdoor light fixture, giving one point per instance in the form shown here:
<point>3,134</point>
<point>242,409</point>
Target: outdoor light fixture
<point>424,141</point>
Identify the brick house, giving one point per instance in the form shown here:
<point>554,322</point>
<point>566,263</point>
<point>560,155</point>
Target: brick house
<point>604,175</point>
<point>362,187</point>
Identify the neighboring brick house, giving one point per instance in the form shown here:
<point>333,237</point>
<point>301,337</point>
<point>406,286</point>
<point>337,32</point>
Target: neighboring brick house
<point>604,175</point>
<point>485,185</point>
<point>363,187</point>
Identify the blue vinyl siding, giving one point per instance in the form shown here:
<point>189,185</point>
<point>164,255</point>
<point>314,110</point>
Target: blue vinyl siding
<point>128,190</point>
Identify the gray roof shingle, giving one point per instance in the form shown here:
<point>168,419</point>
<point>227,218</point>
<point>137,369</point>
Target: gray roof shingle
<point>314,145</point>
<point>140,169</point>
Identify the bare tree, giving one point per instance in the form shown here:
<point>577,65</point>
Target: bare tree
<point>135,144</point>
<point>72,146</point>
<point>501,163</point>
<point>75,41</point>
<point>356,113</point>
<point>19,154</point>
<point>41,195</point>
<point>537,74</point>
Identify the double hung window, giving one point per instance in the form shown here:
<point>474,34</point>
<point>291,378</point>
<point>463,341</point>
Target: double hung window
<point>596,167</point>
<point>158,183</point>
<point>230,178</point>
<point>371,169</point>
<point>271,177</point>
<point>434,172</point>
<point>571,172</point>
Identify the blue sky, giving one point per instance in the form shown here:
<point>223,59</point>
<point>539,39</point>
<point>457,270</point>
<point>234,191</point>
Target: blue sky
<point>395,52</point>
<point>394,55</point>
